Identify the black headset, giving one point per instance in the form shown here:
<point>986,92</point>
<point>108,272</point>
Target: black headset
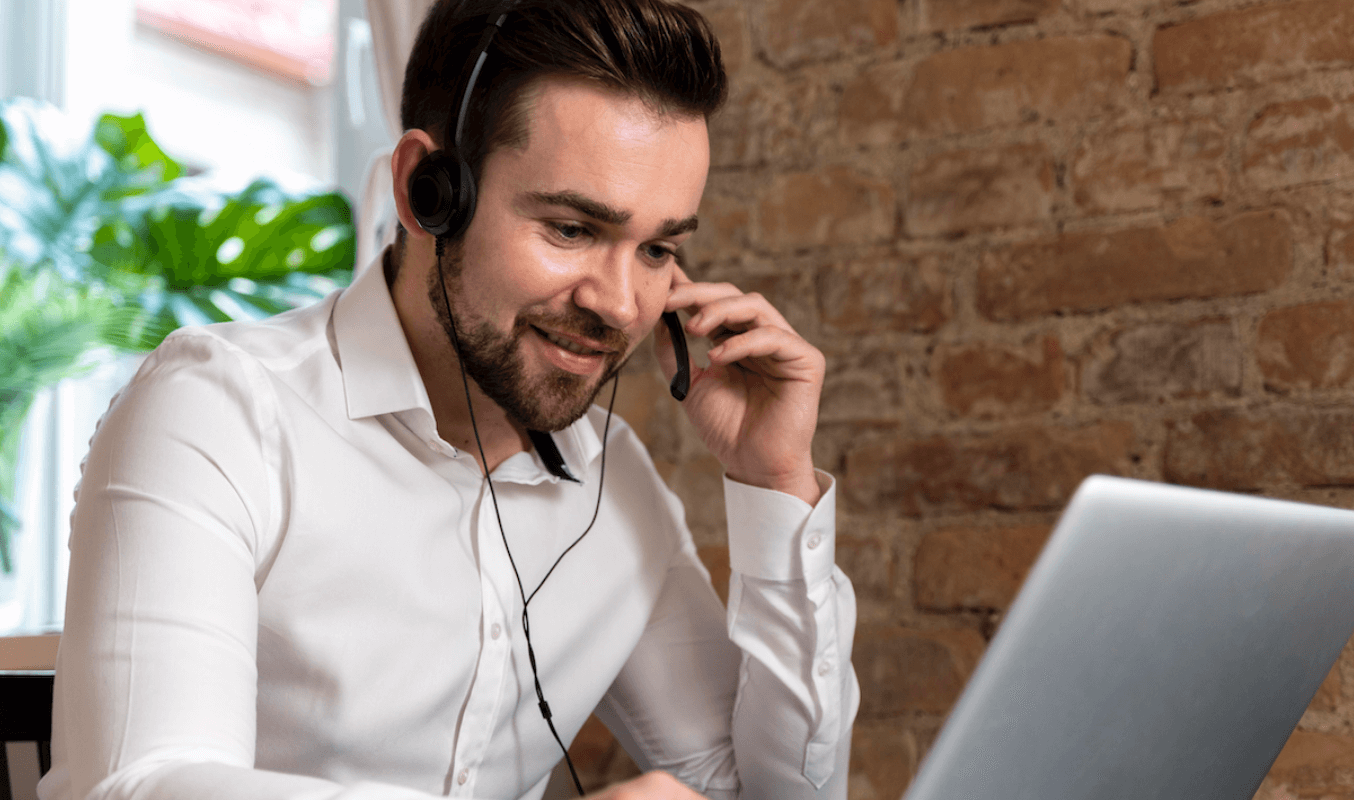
<point>442,187</point>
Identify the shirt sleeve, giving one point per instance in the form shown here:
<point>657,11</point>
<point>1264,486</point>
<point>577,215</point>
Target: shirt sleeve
<point>758,701</point>
<point>156,673</point>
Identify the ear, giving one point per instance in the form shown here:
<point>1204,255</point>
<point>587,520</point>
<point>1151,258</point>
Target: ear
<point>409,151</point>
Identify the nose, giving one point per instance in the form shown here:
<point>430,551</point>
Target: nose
<point>608,288</point>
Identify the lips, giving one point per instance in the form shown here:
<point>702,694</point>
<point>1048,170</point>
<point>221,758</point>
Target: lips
<point>568,344</point>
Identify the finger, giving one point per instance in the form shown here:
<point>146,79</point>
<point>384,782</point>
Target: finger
<point>691,296</point>
<point>679,276</point>
<point>736,313</point>
<point>775,352</point>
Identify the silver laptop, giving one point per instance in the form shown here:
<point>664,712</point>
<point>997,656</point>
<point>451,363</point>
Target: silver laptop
<point>1164,646</point>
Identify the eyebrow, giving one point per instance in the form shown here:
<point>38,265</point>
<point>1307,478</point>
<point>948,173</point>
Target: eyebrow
<point>607,214</point>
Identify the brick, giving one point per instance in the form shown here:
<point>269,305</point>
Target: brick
<point>1250,46</point>
<point>1251,451</point>
<point>1309,346</point>
<point>1024,469</point>
<point>777,119</point>
<point>868,564</point>
<point>870,113</point>
<point>1115,6</point>
<point>985,188</point>
<point>993,379</point>
<point>884,758</point>
<point>731,26</point>
<point>828,207</point>
<point>885,294</point>
<point>1192,257</point>
<point>699,483</point>
<point>1304,141</point>
<point>1340,251</point>
<point>1165,361</point>
<point>905,671</point>
<point>1135,167</point>
<point>1316,764</point>
<point>725,227</point>
<point>861,385</point>
<point>974,568</point>
<point>943,15</point>
<point>962,91</point>
<point>795,31</point>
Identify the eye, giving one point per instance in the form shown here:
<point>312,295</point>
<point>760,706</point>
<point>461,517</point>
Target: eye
<point>658,253</point>
<point>569,231</point>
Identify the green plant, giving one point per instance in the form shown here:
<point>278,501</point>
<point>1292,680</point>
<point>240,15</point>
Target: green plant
<point>105,242</point>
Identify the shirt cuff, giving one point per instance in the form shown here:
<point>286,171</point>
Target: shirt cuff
<point>778,537</point>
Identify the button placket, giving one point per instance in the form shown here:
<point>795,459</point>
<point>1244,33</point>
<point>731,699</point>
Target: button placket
<point>487,689</point>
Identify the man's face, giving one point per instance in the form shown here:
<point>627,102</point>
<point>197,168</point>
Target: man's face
<point>569,259</point>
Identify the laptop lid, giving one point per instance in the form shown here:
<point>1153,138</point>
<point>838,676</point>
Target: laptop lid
<point>1164,645</point>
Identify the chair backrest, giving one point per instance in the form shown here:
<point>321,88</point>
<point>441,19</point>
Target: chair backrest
<point>25,730</point>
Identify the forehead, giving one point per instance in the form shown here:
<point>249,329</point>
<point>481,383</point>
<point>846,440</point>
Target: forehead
<point>609,146</point>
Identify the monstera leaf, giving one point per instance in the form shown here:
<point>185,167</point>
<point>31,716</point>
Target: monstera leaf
<point>201,256</point>
<point>104,240</point>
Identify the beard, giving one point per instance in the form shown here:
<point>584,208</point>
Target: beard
<point>550,401</point>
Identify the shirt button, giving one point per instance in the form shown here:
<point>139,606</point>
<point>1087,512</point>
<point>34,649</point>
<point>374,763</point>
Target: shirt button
<point>495,631</point>
<point>815,540</point>
<point>463,777</point>
<point>824,668</point>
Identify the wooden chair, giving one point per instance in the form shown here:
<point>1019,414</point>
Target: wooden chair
<point>25,730</point>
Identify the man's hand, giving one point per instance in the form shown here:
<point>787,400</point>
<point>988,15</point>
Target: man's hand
<point>756,405</point>
<point>649,786</point>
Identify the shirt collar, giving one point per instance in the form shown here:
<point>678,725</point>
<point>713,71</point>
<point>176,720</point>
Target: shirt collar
<point>379,372</point>
<point>381,377</point>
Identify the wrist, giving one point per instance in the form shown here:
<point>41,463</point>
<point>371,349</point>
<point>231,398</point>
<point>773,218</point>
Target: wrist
<point>801,482</point>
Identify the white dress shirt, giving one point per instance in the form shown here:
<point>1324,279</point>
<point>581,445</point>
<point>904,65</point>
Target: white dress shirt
<point>284,584</point>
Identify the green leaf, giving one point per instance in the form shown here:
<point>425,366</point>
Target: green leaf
<point>129,143</point>
<point>52,186</point>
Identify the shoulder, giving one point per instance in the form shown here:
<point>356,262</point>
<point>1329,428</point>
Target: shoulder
<point>244,355</point>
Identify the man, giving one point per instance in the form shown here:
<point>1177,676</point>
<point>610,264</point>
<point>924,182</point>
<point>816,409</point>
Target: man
<point>290,575</point>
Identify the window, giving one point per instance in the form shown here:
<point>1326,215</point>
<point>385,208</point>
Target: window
<point>237,88</point>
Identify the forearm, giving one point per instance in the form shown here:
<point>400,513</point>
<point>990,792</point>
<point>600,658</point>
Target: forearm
<point>792,614</point>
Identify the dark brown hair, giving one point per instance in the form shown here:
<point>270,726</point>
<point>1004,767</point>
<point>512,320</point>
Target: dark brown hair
<point>660,52</point>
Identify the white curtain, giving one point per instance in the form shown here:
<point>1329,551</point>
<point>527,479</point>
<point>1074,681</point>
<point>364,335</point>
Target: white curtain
<point>394,24</point>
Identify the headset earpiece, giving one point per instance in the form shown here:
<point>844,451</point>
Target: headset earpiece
<point>442,188</point>
<point>442,194</point>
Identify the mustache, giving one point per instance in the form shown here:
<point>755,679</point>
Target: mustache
<point>580,322</point>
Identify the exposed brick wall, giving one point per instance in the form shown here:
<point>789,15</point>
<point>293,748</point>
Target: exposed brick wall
<point>1036,239</point>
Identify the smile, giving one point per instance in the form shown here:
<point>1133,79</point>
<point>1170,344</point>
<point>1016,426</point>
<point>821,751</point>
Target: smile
<point>572,347</point>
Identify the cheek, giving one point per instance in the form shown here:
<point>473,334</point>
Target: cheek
<point>652,288</point>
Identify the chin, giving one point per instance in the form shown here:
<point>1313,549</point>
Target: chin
<point>555,402</point>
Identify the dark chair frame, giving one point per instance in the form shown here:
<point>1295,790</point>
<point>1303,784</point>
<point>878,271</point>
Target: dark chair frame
<point>25,716</point>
